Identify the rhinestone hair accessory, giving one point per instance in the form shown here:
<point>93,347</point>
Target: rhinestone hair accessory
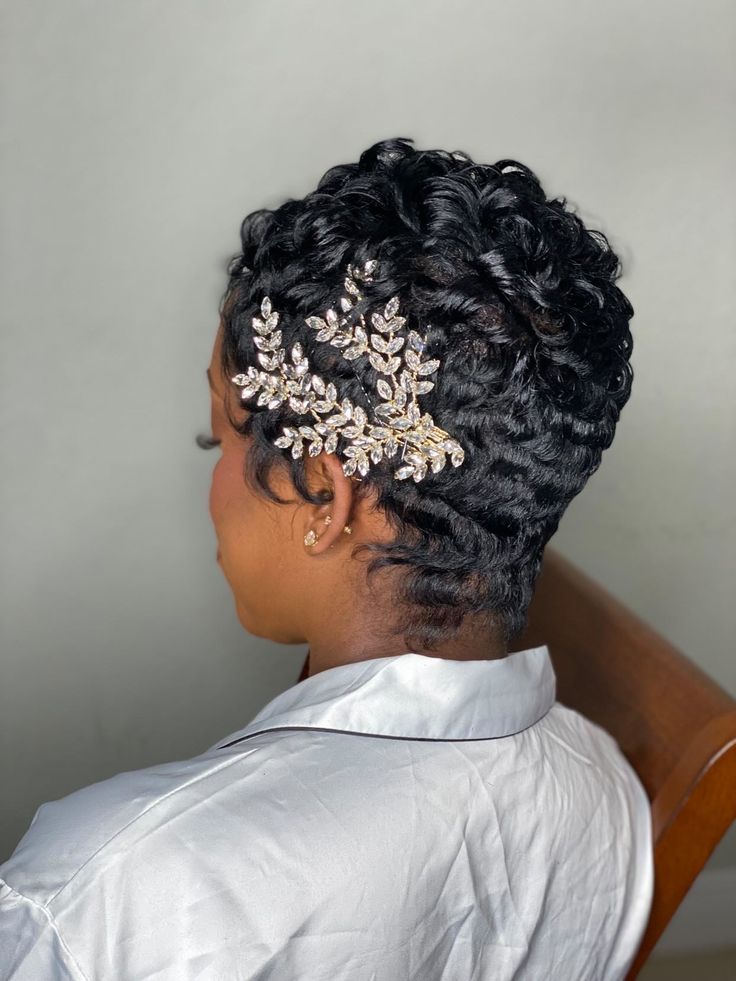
<point>396,421</point>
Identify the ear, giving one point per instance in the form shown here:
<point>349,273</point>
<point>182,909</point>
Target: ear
<point>324,473</point>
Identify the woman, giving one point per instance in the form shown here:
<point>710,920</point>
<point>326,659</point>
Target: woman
<point>417,368</point>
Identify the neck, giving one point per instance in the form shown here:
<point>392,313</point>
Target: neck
<point>360,641</point>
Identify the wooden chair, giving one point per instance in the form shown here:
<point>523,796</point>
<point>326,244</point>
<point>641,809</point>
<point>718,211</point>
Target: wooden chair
<point>674,724</point>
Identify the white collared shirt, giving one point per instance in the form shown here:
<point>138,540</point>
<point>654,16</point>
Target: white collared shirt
<point>407,818</point>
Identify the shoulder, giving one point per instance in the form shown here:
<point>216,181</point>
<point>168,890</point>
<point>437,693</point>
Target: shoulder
<point>104,824</point>
<point>166,863</point>
<point>593,765</point>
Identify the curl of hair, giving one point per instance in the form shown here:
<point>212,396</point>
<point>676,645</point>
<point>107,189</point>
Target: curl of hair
<point>519,301</point>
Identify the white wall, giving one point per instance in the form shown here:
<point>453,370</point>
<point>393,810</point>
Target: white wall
<point>135,136</point>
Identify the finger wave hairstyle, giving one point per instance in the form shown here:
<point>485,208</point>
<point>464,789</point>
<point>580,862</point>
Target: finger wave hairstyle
<point>519,301</point>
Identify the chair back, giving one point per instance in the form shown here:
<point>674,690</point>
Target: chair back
<point>674,724</point>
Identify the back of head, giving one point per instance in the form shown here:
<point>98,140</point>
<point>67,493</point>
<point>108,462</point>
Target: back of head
<point>518,300</point>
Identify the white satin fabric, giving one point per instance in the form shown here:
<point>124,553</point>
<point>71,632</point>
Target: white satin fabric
<point>400,819</point>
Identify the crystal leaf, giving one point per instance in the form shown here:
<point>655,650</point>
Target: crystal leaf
<point>316,322</point>
<point>349,467</point>
<point>384,389</point>
<point>351,287</point>
<point>428,367</point>
<point>391,307</point>
<point>395,345</point>
<point>297,450</point>
<point>315,448</point>
<point>370,266</point>
<point>403,472</point>
<point>242,379</point>
<point>331,443</point>
<point>318,385</point>
<point>412,359</point>
<point>265,306</point>
<point>378,343</point>
<point>377,361</point>
<point>423,387</point>
<point>332,318</point>
<point>352,353</point>
<point>283,442</point>
<point>345,304</point>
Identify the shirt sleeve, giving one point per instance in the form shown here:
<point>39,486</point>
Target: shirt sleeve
<point>31,947</point>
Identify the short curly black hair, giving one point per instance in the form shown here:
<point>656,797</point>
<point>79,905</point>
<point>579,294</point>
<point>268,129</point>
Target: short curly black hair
<point>518,300</point>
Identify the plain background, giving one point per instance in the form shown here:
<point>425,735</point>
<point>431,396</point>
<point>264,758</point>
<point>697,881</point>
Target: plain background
<point>135,137</point>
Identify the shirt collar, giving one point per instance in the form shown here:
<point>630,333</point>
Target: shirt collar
<point>414,696</point>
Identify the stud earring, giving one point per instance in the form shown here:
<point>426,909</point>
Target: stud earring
<point>312,537</point>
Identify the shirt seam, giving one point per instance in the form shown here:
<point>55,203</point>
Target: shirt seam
<point>50,920</point>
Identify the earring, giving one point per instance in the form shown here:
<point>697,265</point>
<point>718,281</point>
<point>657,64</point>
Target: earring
<point>346,529</point>
<point>311,536</point>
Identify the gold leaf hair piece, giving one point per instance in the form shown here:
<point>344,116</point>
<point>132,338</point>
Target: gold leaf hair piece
<point>396,421</point>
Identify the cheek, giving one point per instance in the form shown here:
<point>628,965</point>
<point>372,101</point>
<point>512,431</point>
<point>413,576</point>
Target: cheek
<point>227,500</point>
